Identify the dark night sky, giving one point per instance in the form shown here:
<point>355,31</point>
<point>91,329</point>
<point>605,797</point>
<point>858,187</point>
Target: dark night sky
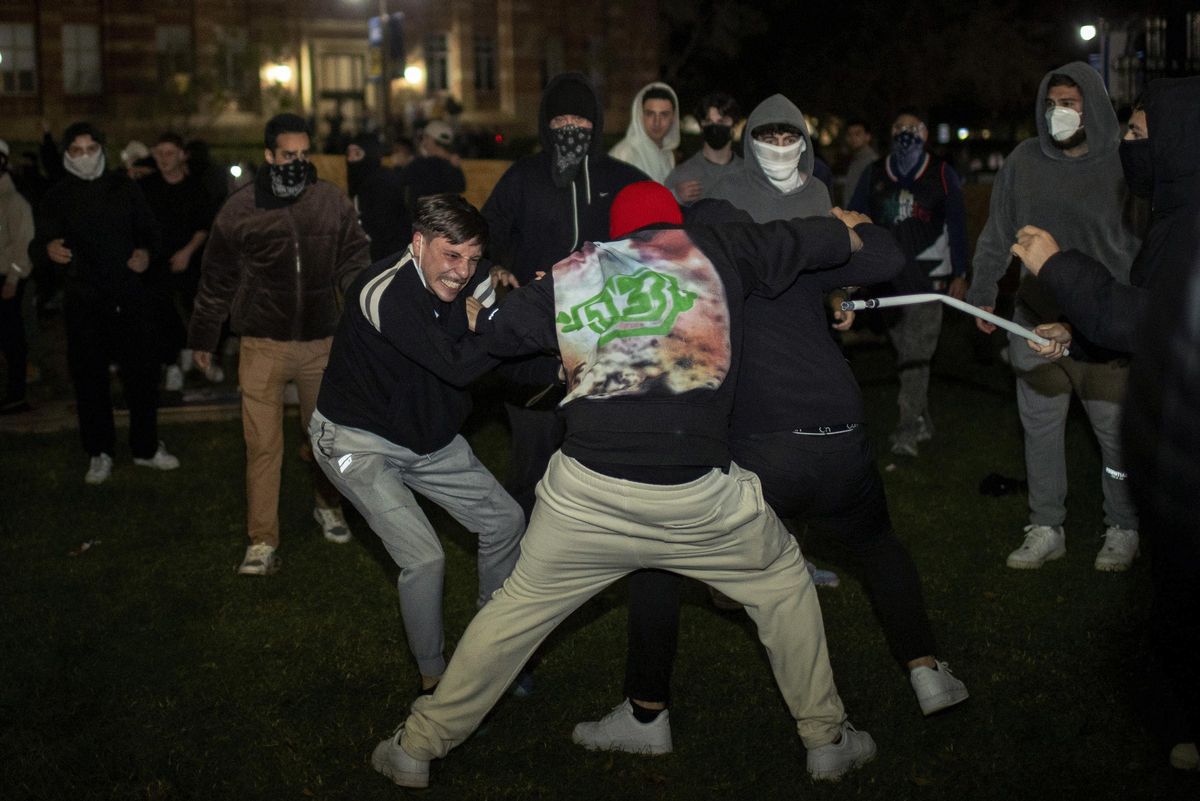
<point>971,63</point>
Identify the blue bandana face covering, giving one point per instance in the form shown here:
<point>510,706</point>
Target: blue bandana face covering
<point>907,149</point>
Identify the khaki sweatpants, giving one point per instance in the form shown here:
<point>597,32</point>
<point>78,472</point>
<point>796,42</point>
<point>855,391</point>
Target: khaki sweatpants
<point>587,531</point>
<point>265,368</point>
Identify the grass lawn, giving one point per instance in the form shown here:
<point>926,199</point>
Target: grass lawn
<point>144,668</point>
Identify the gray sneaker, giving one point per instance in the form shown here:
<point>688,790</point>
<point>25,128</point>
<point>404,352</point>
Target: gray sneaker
<point>390,759</point>
<point>830,762</point>
<point>260,560</point>
<point>161,460</point>
<point>619,730</point>
<point>937,688</point>
<point>1041,545</point>
<point>99,469</point>
<point>1120,547</point>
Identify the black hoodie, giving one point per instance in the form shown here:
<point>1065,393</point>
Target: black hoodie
<point>378,196</point>
<point>533,224</point>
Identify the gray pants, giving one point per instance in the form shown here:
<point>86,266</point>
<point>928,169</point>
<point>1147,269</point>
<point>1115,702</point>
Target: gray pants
<point>1044,399</point>
<point>915,338</point>
<point>376,476</point>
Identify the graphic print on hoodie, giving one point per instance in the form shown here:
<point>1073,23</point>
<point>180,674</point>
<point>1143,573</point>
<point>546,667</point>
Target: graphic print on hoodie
<point>643,316</point>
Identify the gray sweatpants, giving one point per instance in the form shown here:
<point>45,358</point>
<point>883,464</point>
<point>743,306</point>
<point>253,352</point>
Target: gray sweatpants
<point>914,335</point>
<point>376,476</point>
<point>1044,399</point>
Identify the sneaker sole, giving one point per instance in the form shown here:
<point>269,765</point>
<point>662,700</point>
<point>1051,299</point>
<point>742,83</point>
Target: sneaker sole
<point>646,750</point>
<point>946,700</point>
<point>1105,566</point>
<point>1017,564</point>
<point>836,775</point>
<point>402,778</point>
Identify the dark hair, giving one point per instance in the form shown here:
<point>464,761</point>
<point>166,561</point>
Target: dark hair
<point>724,103</point>
<point>281,124</point>
<point>405,142</point>
<point>911,111</point>
<point>171,137</point>
<point>658,93</point>
<point>1139,103</point>
<point>1061,79</point>
<point>452,217</point>
<point>860,122</point>
<point>78,129</point>
<point>773,128</point>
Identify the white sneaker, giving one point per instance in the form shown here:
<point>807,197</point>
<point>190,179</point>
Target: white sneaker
<point>161,460</point>
<point>394,762</point>
<point>822,577</point>
<point>174,381</point>
<point>214,373</point>
<point>619,730</point>
<point>333,524</point>
<point>260,560</point>
<point>186,360</point>
<point>1042,544</point>
<point>1120,546</point>
<point>99,469</point>
<point>829,762</point>
<point>936,688</point>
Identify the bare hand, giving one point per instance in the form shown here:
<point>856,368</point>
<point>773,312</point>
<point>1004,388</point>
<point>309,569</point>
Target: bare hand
<point>850,218</point>
<point>1033,247</point>
<point>9,291</point>
<point>502,277</point>
<point>180,260</point>
<point>58,252</point>
<point>958,288</point>
<point>139,261</point>
<point>982,324</point>
<point>844,319</point>
<point>202,359</point>
<point>689,191</point>
<point>1059,335</point>
<point>473,309</point>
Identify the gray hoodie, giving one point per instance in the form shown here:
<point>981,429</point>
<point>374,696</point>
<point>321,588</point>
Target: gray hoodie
<point>1080,201</point>
<point>751,190</point>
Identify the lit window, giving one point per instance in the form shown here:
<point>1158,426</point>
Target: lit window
<point>81,60</point>
<point>18,70</point>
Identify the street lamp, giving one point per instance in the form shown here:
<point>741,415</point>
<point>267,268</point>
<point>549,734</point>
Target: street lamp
<point>1087,32</point>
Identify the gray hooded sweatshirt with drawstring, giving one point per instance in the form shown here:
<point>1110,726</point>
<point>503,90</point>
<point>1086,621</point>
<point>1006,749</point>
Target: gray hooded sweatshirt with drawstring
<point>751,190</point>
<point>1081,201</point>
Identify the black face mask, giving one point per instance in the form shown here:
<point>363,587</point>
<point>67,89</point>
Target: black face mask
<point>289,180</point>
<point>571,145</point>
<point>1138,166</point>
<point>716,135</point>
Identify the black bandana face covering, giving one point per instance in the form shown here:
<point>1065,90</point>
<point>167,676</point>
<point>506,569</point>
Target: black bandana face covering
<point>289,180</point>
<point>1138,166</point>
<point>571,145</point>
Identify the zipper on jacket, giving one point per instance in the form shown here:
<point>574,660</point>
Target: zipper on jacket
<point>298,318</point>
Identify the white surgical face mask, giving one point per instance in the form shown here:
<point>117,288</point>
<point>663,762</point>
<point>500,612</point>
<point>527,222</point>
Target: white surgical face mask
<point>1063,122</point>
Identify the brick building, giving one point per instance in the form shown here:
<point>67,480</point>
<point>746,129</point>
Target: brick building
<point>220,67</point>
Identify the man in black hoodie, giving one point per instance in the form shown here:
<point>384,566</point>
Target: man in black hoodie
<point>545,206</point>
<point>378,196</point>
<point>96,225</point>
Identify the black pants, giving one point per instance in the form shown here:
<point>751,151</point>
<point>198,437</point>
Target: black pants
<point>12,343</point>
<point>99,333</point>
<point>536,435</point>
<point>1174,627</point>
<point>831,483</point>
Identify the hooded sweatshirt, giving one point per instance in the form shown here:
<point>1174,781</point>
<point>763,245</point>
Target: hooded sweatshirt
<point>751,190</point>
<point>638,149</point>
<point>378,196</point>
<point>1105,311</point>
<point>1080,200</point>
<point>532,223</point>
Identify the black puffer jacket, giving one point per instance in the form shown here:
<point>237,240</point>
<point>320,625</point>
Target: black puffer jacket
<point>277,269</point>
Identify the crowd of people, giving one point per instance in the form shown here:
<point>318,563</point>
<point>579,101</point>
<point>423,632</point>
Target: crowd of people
<point>679,403</point>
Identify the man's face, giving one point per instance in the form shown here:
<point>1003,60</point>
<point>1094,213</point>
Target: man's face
<point>857,137</point>
<point>288,148</point>
<point>778,139</point>
<point>169,157</point>
<point>1137,126</point>
<point>563,120</point>
<point>355,153</point>
<point>447,267</point>
<point>83,145</point>
<point>715,117</point>
<point>657,116</point>
<point>910,123</point>
<point>1065,97</point>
